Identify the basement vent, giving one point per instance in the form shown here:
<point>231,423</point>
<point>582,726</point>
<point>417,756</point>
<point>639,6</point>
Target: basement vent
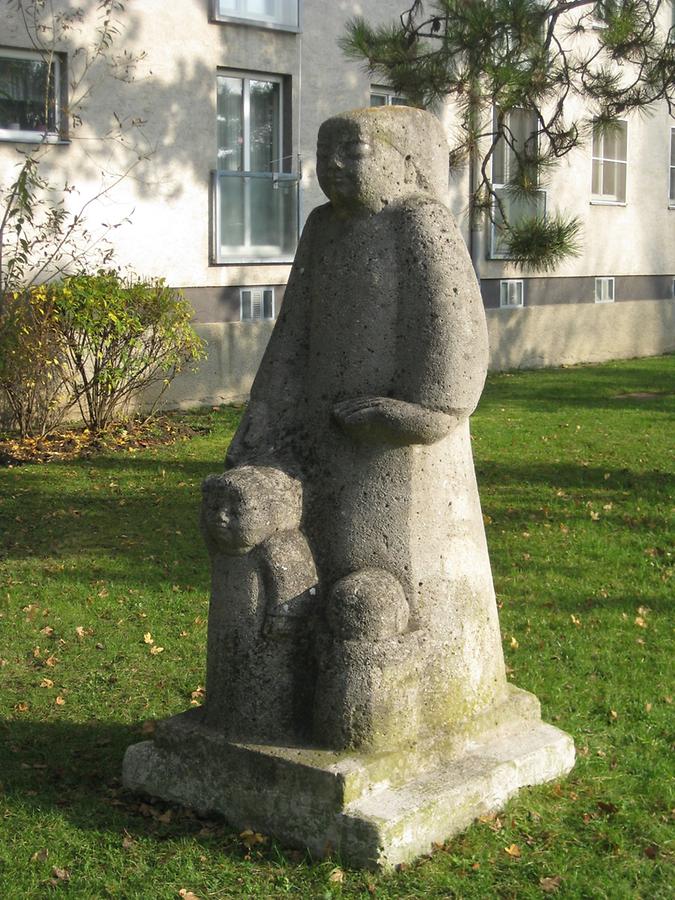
<point>604,290</point>
<point>256,304</point>
<point>511,293</point>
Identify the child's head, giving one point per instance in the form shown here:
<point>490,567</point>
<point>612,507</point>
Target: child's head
<point>245,506</point>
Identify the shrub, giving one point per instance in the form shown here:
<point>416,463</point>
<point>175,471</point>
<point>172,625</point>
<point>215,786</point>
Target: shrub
<point>121,337</point>
<point>33,371</point>
<point>95,341</point>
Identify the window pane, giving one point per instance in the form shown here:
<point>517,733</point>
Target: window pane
<point>27,95</point>
<point>378,100</point>
<point>274,12</point>
<point>672,183</point>
<point>246,304</point>
<point>399,101</point>
<point>265,151</point>
<point>672,146</point>
<point>268,304</point>
<point>230,124</point>
<point>596,187</point>
<point>232,211</point>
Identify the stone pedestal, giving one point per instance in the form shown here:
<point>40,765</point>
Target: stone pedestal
<point>372,810</point>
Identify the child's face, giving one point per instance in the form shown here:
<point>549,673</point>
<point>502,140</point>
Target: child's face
<point>237,522</point>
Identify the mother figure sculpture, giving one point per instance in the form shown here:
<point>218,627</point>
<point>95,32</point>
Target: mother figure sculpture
<point>362,399</point>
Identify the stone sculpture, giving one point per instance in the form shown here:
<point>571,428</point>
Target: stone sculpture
<point>356,691</point>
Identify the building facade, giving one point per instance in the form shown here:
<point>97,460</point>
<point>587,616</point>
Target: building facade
<point>194,148</point>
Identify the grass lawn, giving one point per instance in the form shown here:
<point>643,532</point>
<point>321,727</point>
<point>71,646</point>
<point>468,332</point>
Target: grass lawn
<point>96,554</point>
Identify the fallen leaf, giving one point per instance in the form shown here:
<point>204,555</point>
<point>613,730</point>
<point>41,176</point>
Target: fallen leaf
<point>3,662</point>
<point>40,855</point>
<point>51,661</point>
<point>575,620</point>
<point>187,895</point>
<point>514,643</point>
<point>640,622</point>
<point>154,650</point>
<point>60,874</point>
<point>613,714</point>
<point>79,631</point>
<point>648,707</point>
<point>127,842</point>
<point>595,515</point>
<point>47,683</point>
<point>165,817</point>
<point>608,808</point>
<point>337,876</point>
<point>251,838</point>
<point>513,851</point>
<point>148,638</point>
<point>21,707</point>
<point>48,630</point>
<point>550,884</point>
<point>60,701</point>
<point>651,852</point>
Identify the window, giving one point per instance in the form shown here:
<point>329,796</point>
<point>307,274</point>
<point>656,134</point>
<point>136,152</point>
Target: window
<point>604,290</point>
<point>255,199</point>
<point>256,304</point>
<point>521,125</point>
<point>511,293</point>
<point>268,13</point>
<point>610,162</point>
<point>30,87</point>
<point>384,96</point>
<point>671,194</point>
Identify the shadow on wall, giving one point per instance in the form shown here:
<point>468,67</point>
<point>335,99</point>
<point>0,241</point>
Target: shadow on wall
<point>234,351</point>
<point>556,335</point>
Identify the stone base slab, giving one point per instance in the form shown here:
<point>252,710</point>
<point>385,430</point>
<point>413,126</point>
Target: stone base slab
<point>344,804</point>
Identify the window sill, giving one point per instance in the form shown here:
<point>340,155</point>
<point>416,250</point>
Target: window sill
<point>252,261</point>
<point>253,23</point>
<point>25,137</point>
<point>599,201</point>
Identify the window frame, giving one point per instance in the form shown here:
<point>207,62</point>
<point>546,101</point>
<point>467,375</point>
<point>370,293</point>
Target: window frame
<point>227,255</point>
<point>389,94</point>
<point>504,295</point>
<point>608,199</point>
<point>600,281</point>
<point>671,169</point>
<point>262,289</point>
<point>58,65</point>
<point>226,18</point>
<point>492,249</point>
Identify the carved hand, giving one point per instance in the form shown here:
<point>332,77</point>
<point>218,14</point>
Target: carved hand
<point>385,420</point>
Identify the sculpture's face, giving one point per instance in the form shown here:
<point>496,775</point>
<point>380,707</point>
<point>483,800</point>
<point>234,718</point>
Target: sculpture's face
<point>237,525</point>
<point>356,169</point>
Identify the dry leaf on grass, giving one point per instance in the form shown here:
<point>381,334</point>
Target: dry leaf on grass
<point>187,895</point>
<point>60,875</point>
<point>60,701</point>
<point>513,851</point>
<point>155,650</point>
<point>148,638</point>
<point>550,885</point>
<point>337,876</point>
<point>47,683</point>
<point>40,855</point>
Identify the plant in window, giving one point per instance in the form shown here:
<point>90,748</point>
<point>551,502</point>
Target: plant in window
<point>522,57</point>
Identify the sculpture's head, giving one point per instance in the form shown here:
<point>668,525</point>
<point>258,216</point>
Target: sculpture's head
<point>368,158</point>
<point>246,505</point>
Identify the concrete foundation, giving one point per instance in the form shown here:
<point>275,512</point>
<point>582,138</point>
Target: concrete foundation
<point>370,810</point>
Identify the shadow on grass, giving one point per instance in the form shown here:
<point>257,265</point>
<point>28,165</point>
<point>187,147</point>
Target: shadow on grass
<point>75,770</point>
<point>601,387</point>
